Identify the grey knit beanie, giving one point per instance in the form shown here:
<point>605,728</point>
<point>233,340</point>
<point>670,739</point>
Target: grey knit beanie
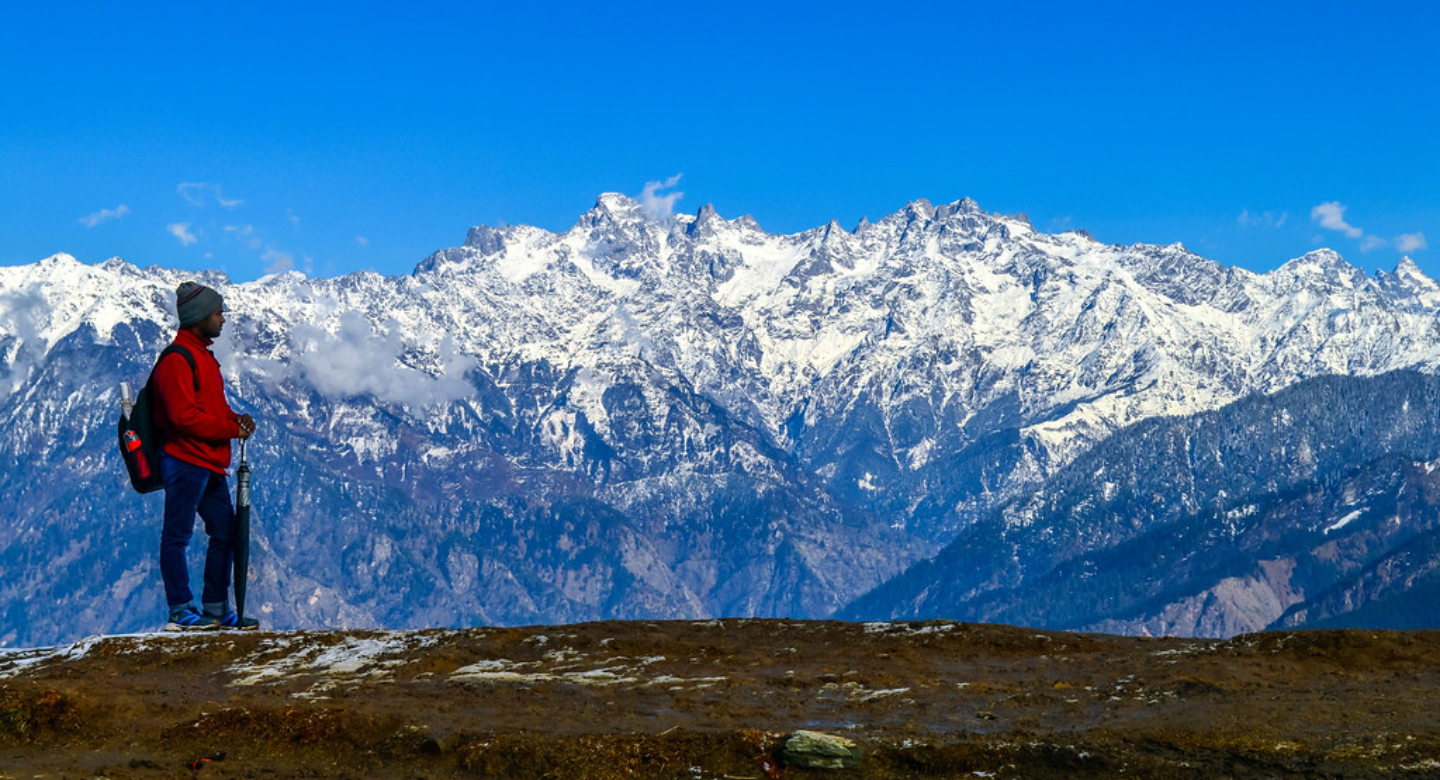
<point>195,302</point>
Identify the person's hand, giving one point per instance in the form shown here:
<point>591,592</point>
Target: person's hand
<point>247,425</point>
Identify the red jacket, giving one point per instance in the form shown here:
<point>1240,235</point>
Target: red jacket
<point>198,425</point>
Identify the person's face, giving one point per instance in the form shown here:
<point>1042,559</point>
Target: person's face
<point>210,326</point>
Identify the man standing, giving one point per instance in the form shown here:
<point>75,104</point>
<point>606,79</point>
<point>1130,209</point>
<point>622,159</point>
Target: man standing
<point>197,425</point>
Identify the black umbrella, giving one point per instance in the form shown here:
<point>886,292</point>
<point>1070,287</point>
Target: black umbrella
<point>240,533</point>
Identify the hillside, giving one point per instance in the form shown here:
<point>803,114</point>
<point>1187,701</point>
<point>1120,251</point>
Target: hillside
<point>718,699</point>
<point>1286,510</point>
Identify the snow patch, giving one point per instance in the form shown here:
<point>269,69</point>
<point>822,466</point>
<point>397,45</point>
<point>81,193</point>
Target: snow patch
<point>1344,521</point>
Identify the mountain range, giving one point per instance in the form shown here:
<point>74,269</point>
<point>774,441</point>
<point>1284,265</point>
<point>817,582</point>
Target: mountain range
<point>1318,505</point>
<point>652,416</point>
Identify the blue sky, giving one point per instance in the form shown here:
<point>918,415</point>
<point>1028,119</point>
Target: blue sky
<point>331,137</point>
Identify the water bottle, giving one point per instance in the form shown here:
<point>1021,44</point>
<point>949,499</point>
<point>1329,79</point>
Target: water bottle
<point>132,439</point>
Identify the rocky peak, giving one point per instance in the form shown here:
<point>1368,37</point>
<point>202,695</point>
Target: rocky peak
<point>120,267</point>
<point>919,210</point>
<point>486,239</point>
<point>60,260</point>
<point>1407,269</point>
<point>1414,277</point>
<point>1320,260</point>
<point>706,222</point>
<point>1324,267</point>
<point>612,208</point>
<point>1408,286</point>
<point>962,206</point>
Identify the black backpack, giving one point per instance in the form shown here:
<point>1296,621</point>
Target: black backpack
<point>140,438</point>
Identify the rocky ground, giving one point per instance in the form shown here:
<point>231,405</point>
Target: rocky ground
<point>721,699</point>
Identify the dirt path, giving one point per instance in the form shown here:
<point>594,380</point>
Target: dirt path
<point>718,699</point>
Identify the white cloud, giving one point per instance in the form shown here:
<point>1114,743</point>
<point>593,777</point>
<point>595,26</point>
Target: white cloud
<point>202,194</point>
<point>104,215</point>
<point>360,360</point>
<point>181,230</point>
<point>191,191</point>
<point>278,262</point>
<point>362,241</point>
<point>1266,219</point>
<point>245,234</point>
<point>657,206</point>
<point>1411,242</point>
<point>1331,215</point>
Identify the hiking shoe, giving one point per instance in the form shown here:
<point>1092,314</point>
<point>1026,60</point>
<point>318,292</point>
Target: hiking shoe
<point>233,621</point>
<point>191,620</point>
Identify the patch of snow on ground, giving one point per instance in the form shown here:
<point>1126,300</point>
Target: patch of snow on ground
<point>910,629</point>
<point>572,668</point>
<point>880,694</point>
<point>15,661</point>
<point>283,658</point>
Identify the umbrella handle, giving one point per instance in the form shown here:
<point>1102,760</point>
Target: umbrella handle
<point>242,481</point>
<point>240,530</point>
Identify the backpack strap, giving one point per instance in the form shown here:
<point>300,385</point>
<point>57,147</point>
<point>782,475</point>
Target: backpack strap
<point>189,358</point>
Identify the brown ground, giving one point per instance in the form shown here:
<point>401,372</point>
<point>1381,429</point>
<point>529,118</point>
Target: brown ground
<point>715,700</point>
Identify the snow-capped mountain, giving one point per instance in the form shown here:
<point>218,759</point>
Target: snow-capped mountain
<point>643,417</point>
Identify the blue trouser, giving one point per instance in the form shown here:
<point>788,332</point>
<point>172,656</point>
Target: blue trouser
<point>191,489</point>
